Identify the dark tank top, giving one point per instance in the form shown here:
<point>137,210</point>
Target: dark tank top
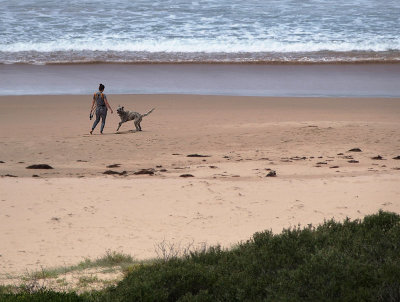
<point>99,97</point>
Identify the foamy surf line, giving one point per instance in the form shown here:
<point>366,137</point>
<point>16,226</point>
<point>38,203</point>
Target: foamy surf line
<point>323,80</point>
<point>183,54</point>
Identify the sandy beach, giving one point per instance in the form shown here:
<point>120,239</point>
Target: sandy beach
<point>225,145</point>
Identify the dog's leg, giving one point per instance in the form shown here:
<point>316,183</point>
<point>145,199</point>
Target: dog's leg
<point>139,121</point>
<point>119,125</point>
<point>136,122</point>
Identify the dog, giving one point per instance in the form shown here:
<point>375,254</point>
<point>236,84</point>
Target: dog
<point>127,116</point>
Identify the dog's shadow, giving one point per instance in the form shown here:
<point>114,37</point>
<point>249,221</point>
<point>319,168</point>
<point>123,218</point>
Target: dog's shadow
<point>119,132</point>
<point>127,132</point>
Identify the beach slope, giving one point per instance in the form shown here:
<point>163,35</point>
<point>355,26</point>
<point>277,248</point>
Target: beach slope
<point>205,169</point>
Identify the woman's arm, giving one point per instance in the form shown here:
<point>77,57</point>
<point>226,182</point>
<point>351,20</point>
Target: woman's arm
<point>107,104</point>
<point>93,104</point>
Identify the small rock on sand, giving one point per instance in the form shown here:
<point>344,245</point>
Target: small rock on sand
<point>377,157</point>
<point>197,155</point>
<point>40,166</point>
<point>271,173</point>
<point>298,158</point>
<point>186,175</point>
<point>397,157</point>
<point>353,161</point>
<point>355,150</point>
<point>1,162</point>
<point>114,166</point>
<point>145,171</point>
<point>111,172</point>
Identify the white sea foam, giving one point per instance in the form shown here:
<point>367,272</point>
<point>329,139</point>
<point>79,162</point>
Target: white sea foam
<point>200,45</point>
<point>35,31</point>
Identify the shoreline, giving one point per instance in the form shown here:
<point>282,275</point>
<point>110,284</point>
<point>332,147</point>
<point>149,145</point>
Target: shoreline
<point>266,63</point>
<point>315,80</point>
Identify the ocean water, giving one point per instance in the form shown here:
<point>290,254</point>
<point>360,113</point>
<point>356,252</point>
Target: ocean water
<point>175,31</point>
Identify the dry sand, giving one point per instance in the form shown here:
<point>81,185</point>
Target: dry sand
<point>75,211</point>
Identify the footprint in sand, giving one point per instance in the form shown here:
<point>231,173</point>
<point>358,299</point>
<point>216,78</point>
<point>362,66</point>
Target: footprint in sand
<point>91,209</point>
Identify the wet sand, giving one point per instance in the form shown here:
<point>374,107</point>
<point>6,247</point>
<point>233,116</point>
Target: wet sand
<point>322,80</point>
<point>74,211</point>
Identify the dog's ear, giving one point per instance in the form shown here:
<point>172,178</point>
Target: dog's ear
<point>122,107</point>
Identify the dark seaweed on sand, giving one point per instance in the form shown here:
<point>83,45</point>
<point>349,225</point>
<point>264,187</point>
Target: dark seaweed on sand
<point>197,155</point>
<point>40,166</point>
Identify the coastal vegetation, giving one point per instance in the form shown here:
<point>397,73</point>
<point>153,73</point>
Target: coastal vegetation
<point>355,260</point>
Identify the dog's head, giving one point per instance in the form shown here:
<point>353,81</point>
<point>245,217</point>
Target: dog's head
<point>120,110</point>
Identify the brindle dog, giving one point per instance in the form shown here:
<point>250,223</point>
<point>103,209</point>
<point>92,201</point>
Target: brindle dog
<point>136,117</point>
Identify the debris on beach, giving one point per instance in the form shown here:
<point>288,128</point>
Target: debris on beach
<point>377,157</point>
<point>40,166</point>
<point>113,166</point>
<point>111,172</point>
<point>9,175</point>
<point>355,150</point>
<point>271,173</point>
<point>186,175</point>
<point>353,161</point>
<point>149,171</point>
<point>397,157</point>
<point>298,158</point>
<point>35,175</point>
<point>2,162</point>
<point>197,155</point>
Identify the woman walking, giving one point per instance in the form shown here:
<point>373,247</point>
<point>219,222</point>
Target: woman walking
<point>101,104</point>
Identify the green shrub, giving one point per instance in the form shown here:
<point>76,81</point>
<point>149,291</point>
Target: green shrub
<point>348,261</point>
<point>41,296</point>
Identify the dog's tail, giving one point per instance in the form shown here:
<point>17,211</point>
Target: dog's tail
<point>146,114</point>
